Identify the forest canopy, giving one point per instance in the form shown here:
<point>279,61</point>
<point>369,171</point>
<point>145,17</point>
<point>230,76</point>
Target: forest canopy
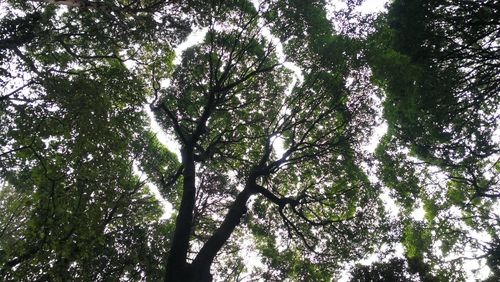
<point>273,110</point>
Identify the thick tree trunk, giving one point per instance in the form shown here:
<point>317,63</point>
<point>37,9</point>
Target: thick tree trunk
<point>200,268</point>
<point>176,263</point>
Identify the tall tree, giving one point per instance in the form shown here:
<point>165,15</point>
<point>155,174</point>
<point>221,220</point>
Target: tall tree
<point>228,105</point>
<point>393,270</point>
<point>71,128</point>
<point>438,63</point>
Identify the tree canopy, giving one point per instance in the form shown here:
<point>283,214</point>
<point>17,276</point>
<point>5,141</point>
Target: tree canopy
<point>438,62</point>
<point>272,110</point>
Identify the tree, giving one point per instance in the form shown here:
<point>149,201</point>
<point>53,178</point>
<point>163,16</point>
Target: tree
<point>267,155</point>
<point>393,270</point>
<point>70,134</point>
<point>227,105</point>
<point>439,67</point>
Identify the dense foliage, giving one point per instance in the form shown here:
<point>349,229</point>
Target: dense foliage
<point>439,64</point>
<point>273,162</point>
<point>393,270</point>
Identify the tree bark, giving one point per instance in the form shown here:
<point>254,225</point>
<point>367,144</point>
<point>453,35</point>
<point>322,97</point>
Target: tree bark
<point>176,262</point>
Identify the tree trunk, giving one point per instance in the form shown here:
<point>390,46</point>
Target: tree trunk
<point>176,262</point>
<point>200,268</point>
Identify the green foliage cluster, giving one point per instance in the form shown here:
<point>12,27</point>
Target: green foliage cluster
<point>438,65</point>
<point>267,155</point>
